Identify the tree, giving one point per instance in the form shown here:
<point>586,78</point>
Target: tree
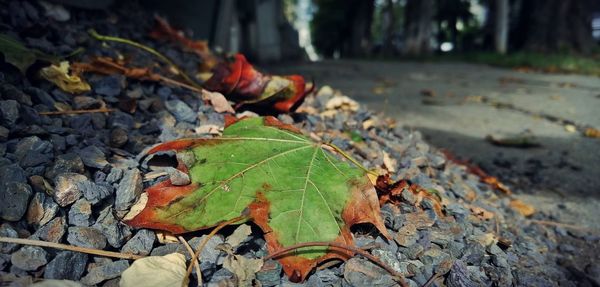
<point>418,26</point>
<point>342,26</point>
<point>554,25</point>
<point>501,25</point>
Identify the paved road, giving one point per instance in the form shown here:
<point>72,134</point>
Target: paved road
<point>562,176</point>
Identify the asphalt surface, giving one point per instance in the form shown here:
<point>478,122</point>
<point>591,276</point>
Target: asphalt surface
<point>450,104</point>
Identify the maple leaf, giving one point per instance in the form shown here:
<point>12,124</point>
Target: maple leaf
<point>242,83</point>
<point>295,190</point>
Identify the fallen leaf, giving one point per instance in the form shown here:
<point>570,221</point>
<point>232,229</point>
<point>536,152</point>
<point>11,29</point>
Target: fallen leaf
<point>168,270</point>
<point>239,235</point>
<point>592,133</point>
<point>342,103</point>
<point>218,101</point>
<point>59,75</point>
<point>163,30</point>
<point>295,190</point>
<point>16,54</point>
<point>390,163</point>
<point>481,213</point>
<point>522,207</point>
<point>523,140</point>
<point>165,237</point>
<point>570,128</point>
<point>244,268</point>
<point>240,82</point>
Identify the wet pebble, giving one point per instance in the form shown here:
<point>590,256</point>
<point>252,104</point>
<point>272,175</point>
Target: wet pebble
<point>14,198</point>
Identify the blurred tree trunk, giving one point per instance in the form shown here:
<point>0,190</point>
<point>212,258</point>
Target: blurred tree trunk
<point>558,25</point>
<point>501,8</point>
<point>360,19</point>
<point>418,26</point>
<point>389,23</point>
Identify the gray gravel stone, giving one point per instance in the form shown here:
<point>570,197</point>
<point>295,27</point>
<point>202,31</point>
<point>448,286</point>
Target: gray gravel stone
<point>181,111</point>
<point>80,213</point>
<point>9,112</point>
<point>32,151</point>
<point>115,231</point>
<point>178,177</point>
<point>141,243</point>
<point>361,272</point>
<point>109,86</point>
<point>29,258</point>
<point>92,156</point>
<point>69,162</point>
<point>86,237</point>
<point>66,188</point>
<point>42,209</point>
<point>129,190</point>
<point>14,198</point>
<point>53,231</point>
<point>94,192</point>
<point>114,175</point>
<point>270,274</point>
<point>105,272</point>
<point>12,172</point>
<point>66,265</point>
<point>7,231</point>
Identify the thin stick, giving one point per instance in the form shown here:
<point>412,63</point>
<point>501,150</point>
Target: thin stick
<point>432,279</point>
<point>399,277</point>
<point>73,112</point>
<point>346,155</point>
<point>93,251</point>
<point>190,251</point>
<point>97,36</point>
<point>177,83</point>
<point>196,258</point>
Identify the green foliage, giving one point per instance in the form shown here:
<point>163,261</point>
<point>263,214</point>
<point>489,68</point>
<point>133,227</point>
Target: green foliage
<point>16,54</point>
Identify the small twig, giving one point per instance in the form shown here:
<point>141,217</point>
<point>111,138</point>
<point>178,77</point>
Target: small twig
<point>73,112</point>
<point>432,279</point>
<point>196,259</point>
<point>347,156</point>
<point>97,36</point>
<point>399,277</point>
<point>190,251</point>
<point>93,251</point>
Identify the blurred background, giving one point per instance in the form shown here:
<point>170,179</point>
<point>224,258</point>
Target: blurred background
<point>477,30</point>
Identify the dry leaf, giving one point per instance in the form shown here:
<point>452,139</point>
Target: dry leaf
<point>244,268</point>
<point>218,101</point>
<point>168,270</point>
<point>481,213</point>
<point>59,75</point>
<point>165,237</point>
<point>390,163</point>
<point>570,128</point>
<point>592,133</point>
<point>239,235</point>
<point>522,207</point>
<point>342,103</point>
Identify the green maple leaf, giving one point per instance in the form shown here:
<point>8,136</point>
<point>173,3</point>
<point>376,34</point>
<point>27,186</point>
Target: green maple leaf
<point>16,54</point>
<point>295,189</point>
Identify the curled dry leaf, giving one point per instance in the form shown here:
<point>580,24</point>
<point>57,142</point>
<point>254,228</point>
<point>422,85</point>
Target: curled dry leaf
<point>164,31</point>
<point>56,283</point>
<point>59,75</point>
<point>294,189</point>
<point>156,271</point>
<point>239,235</point>
<point>522,207</point>
<point>240,82</point>
<point>343,103</point>
<point>218,101</point>
<point>244,268</point>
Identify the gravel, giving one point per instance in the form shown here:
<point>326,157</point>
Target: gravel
<point>75,261</point>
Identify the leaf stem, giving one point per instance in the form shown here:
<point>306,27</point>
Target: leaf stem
<point>93,251</point>
<point>152,51</point>
<point>195,259</point>
<point>355,162</point>
<point>397,276</point>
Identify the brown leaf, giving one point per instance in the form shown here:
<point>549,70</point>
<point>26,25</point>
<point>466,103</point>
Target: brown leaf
<point>522,207</point>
